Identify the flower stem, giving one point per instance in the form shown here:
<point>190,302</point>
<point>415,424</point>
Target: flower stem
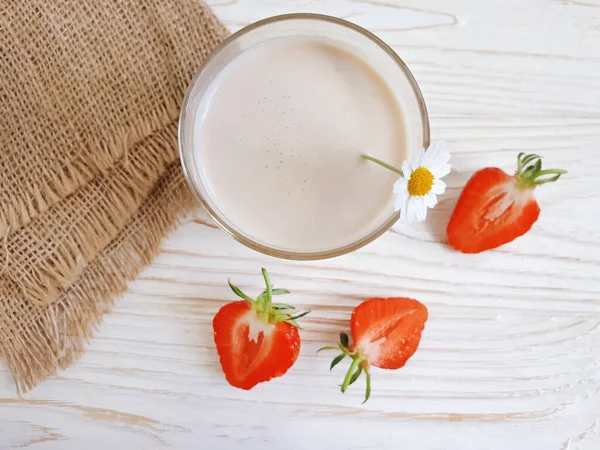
<point>382,164</point>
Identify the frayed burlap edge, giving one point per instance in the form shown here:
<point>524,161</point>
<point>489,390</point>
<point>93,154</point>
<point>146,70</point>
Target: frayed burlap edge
<point>20,211</point>
<point>56,334</point>
<point>41,267</point>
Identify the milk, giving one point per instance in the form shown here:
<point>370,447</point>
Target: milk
<point>278,138</point>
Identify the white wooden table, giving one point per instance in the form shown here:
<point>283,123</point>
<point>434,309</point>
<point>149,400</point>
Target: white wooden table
<point>510,357</point>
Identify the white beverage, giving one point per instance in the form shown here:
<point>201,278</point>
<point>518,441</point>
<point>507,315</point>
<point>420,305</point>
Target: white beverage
<point>279,135</point>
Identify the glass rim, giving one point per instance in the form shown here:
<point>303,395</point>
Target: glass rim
<point>216,217</point>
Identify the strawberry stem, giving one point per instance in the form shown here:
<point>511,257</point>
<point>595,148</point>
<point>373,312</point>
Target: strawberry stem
<point>268,299</point>
<point>359,364</point>
<point>529,172</point>
<point>328,347</point>
<point>382,164</point>
<point>279,291</point>
<point>237,291</point>
<point>336,360</point>
<point>264,307</point>
<point>344,341</point>
<point>368,391</point>
<point>302,314</point>
<point>356,375</point>
<point>351,369</point>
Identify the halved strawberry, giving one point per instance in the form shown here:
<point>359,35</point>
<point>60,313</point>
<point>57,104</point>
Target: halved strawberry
<point>495,208</point>
<point>385,333</point>
<point>256,339</point>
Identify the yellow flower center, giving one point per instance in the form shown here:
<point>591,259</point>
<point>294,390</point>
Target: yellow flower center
<point>420,183</point>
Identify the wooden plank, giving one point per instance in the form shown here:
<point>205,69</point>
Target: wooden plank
<point>510,356</point>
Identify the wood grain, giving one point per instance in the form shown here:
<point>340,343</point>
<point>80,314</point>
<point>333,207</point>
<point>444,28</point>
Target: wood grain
<point>510,358</point>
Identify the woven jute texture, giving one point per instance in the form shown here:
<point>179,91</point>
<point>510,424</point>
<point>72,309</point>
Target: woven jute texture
<point>90,181</point>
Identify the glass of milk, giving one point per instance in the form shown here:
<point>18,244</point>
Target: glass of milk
<point>273,126</point>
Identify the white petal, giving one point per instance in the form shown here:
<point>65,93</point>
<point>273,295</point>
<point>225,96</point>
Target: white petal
<point>438,146</point>
<point>439,155</point>
<point>416,159</point>
<point>432,153</point>
<point>406,170</point>
<point>413,209</point>
<point>418,208</point>
<point>440,170</point>
<point>403,207</point>
<point>400,200</point>
<point>423,212</point>
<point>430,200</point>
<point>409,209</point>
<point>398,207</point>
<point>406,214</point>
<point>444,155</point>
<point>427,158</point>
<point>401,185</point>
<point>439,187</point>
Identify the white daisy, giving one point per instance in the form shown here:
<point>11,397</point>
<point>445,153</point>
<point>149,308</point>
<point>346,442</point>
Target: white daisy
<point>420,181</point>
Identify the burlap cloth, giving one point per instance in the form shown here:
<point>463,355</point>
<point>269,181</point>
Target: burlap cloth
<point>90,178</point>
